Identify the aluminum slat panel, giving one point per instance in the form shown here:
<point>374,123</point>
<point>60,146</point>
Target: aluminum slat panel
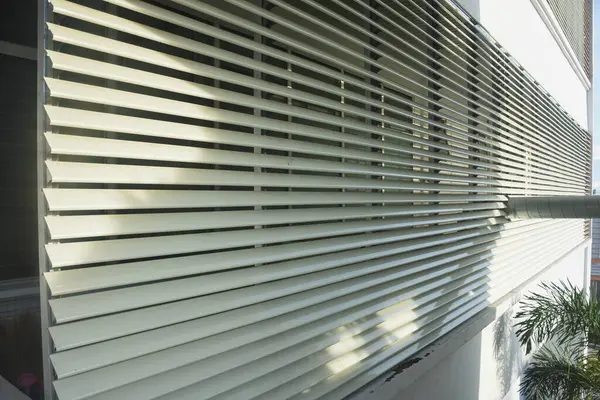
<point>94,147</point>
<point>210,346</point>
<point>114,275</point>
<point>139,126</point>
<point>284,201</point>
<point>158,362</point>
<point>325,246</point>
<point>359,283</point>
<point>122,199</point>
<point>65,227</point>
<point>71,9</point>
<point>79,92</point>
<point>131,51</point>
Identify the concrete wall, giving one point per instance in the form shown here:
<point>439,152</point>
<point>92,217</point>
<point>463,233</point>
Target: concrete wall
<point>483,360</point>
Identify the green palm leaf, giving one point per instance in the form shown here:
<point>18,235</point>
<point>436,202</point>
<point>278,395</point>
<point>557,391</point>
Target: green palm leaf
<point>563,315</point>
<point>562,312</point>
<point>553,374</point>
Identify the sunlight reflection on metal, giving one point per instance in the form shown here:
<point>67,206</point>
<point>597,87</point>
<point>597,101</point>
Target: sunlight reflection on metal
<point>352,350</point>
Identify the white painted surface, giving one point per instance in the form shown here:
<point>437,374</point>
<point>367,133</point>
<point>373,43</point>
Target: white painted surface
<point>528,40</point>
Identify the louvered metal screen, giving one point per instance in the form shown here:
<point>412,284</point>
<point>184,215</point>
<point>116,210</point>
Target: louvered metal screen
<point>575,20</point>
<point>595,238</point>
<point>284,199</point>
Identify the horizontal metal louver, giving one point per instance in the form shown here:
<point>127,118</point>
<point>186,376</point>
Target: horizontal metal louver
<point>595,233</point>
<point>281,199</point>
<point>575,20</point>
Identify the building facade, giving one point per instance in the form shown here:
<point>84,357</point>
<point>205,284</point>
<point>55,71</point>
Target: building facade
<point>280,199</point>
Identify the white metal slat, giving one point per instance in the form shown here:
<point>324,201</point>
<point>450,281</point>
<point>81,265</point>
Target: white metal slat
<point>128,149</point>
<point>106,45</point>
<point>77,172</point>
<point>90,278</point>
<point>387,358</point>
<point>178,378</point>
<point>72,309</point>
<point>74,10</point>
<point>206,387</point>
<point>171,378</point>
<point>414,343</point>
<point>177,290</point>
<point>354,383</point>
<point>98,43</point>
<point>94,278</point>
<point>177,19</point>
<point>95,94</point>
<point>98,355</point>
<point>119,23</point>
<point>507,64</point>
<point>366,32</point>
<point>74,336</point>
<point>381,366</point>
<point>297,44</point>
<point>310,49</point>
<point>541,259</point>
<point>63,227</point>
<point>503,281</point>
<point>66,254</point>
<point>134,76</point>
<point>137,199</point>
<point>111,71</point>
<point>183,324</point>
<point>78,353</point>
<point>175,85</point>
<point>98,147</point>
<point>519,108</point>
<point>110,46</point>
<point>487,66</point>
<point>158,365</point>
<point>141,126</point>
<point>83,11</point>
<point>275,363</point>
<point>403,336</point>
<point>244,343</point>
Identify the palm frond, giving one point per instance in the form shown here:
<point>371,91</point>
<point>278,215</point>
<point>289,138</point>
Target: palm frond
<point>562,312</point>
<point>555,374</point>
